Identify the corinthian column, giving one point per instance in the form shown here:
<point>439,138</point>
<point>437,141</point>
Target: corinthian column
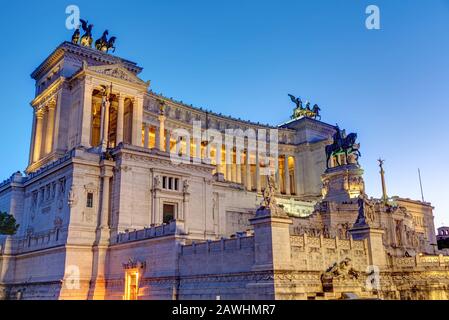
<point>50,127</point>
<point>286,176</point>
<point>249,186</point>
<point>105,134</point>
<point>258,182</point>
<point>120,115</point>
<point>137,121</point>
<point>38,136</point>
<point>160,143</point>
<point>146,137</point>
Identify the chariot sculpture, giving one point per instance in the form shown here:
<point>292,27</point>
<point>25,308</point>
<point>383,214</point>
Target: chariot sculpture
<point>301,111</point>
<point>103,44</point>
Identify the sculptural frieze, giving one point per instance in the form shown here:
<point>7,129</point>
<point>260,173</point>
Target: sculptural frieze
<point>342,270</point>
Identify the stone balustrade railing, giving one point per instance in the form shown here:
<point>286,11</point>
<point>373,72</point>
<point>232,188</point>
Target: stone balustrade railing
<point>163,230</point>
<point>41,240</point>
<point>420,261</point>
<point>326,243</point>
<point>235,244</point>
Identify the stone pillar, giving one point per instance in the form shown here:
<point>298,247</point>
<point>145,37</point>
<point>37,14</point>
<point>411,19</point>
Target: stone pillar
<point>105,125</point>
<point>160,135</point>
<point>299,190</point>
<point>137,121</point>
<point>157,139</point>
<point>278,176</point>
<point>86,125</point>
<point>233,170</point>
<point>248,171</point>
<point>167,141</point>
<point>33,134</point>
<point>239,169</point>
<point>120,115</point>
<point>50,127</point>
<point>258,182</point>
<point>38,136</point>
<point>286,176</point>
<point>103,225</point>
<point>376,249</point>
<point>271,241</point>
<point>146,138</point>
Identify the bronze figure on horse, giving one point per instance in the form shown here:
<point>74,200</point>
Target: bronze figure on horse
<point>342,145</point>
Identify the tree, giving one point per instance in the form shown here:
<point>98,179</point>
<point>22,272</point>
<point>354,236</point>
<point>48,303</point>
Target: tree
<point>8,224</point>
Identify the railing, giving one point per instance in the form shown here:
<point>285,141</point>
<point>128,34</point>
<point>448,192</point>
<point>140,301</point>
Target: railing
<point>147,233</point>
<point>421,261</point>
<point>223,245</point>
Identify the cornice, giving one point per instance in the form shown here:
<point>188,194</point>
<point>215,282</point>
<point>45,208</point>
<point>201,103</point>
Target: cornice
<point>48,93</point>
<point>88,53</point>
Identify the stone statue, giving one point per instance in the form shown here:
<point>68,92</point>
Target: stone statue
<point>366,213</point>
<point>86,39</point>
<point>157,182</point>
<point>343,144</point>
<point>269,205</point>
<point>269,193</point>
<point>342,270</point>
<point>186,187</point>
<point>72,197</point>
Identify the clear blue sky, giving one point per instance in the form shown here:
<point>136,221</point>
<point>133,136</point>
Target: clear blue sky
<point>243,57</point>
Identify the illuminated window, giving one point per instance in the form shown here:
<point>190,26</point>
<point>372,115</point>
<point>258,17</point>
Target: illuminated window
<point>131,285</point>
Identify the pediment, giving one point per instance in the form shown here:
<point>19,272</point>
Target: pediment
<point>119,72</point>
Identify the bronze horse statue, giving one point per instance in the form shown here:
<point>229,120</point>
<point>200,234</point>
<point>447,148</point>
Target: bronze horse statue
<point>342,144</point>
<point>103,44</point>
<point>301,111</point>
<point>100,43</point>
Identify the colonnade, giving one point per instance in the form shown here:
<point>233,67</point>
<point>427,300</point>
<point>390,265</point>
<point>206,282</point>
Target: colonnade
<point>44,130</point>
<point>248,171</point>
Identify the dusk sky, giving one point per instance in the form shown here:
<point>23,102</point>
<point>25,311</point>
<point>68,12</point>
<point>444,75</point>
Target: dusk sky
<point>242,58</point>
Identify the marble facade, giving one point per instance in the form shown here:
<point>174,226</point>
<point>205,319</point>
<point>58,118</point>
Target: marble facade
<point>104,212</point>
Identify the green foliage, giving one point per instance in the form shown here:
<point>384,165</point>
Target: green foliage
<point>8,224</point>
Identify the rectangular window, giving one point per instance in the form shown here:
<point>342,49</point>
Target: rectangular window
<point>169,212</point>
<point>90,200</point>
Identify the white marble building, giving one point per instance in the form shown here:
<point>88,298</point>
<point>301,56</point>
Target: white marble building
<point>102,196</point>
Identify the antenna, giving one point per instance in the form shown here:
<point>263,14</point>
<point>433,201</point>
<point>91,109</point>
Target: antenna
<point>420,185</point>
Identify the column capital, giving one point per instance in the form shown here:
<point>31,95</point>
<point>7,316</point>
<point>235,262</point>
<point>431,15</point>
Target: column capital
<point>40,113</point>
<point>52,104</point>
